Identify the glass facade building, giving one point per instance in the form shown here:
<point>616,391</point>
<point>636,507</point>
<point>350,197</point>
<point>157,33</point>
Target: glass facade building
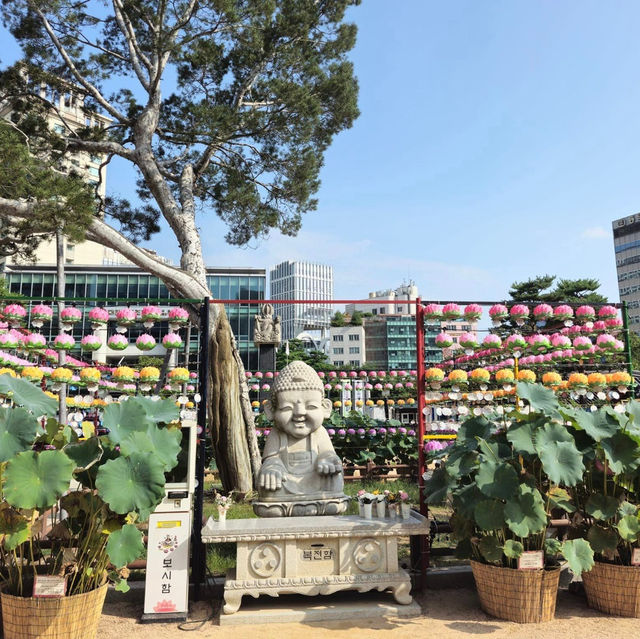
<point>626,243</point>
<point>118,284</point>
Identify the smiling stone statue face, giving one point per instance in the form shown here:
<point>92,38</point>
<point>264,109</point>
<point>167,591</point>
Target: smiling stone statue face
<point>300,413</point>
<point>301,473</point>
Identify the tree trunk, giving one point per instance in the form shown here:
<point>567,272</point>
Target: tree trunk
<point>230,415</point>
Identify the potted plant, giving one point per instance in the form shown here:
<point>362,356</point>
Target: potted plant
<point>93,491</point>
<point>505,476</point>
<point>606,504</point>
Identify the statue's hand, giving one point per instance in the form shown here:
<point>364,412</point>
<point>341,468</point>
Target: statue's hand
<point>271,478</point>
<point>329,465</point>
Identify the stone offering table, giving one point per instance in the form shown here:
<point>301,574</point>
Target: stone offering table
<point>314,555</point>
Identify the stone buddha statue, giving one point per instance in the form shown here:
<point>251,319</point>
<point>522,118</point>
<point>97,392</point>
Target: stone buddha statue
<point>301,473</point>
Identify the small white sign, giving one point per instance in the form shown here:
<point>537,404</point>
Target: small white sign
<point>49,586</point>
<point>531,560</point>
<point>635,557</point>
<point>167,580</point>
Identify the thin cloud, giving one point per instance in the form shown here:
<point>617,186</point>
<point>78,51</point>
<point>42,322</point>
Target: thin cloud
<point>595,233</point>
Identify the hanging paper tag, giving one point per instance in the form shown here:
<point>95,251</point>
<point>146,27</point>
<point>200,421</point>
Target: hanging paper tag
<point>49,586</point>
<point>635,557</point>
<point>531,560</point>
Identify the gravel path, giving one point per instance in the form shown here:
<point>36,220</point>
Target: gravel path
<point>447,614</point>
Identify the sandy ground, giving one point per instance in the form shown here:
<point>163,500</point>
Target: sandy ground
<point>447,614</point>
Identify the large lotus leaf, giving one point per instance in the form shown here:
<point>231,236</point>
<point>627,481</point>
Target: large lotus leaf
<point>562,462</point>
<point>627,508</point>
<point>437,488</point>
<point>161,411</point>
<point>602,539</point>
<point>471,429</point>
<point>541,399</point>
<point>131,483</point>
<point>560,498</point>
<point>125,418</point>
<point>513,549</point>
<point>161,442</point>
<point>495,450</point>
<point>550,434</point>
<point>622,453</point>
<point>629,528</point>
<point>552,546</point>
<point>461,527</point>
<point>84,453</point>
<point>632,410</point>
<point>524,513</point>
<point>465,499</point>
<point>464,549</point>
<point>601,507</point>
<point>18,430</point>
<point>584,443</point>
<point>461,462</point>
<point>489,514</point>
<point>26,394</point>
<point>598,425</point>
<point>490,548</point>
<point>521,435</point>
<point>37,480</point>
<point>125,545</point>
<point>15,528</point>
<point>579,555</point>
<point>88,477</point>
<point>499,480</point>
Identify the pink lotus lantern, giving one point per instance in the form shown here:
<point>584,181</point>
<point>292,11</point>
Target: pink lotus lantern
<point>117,342</point>
<point>40,314</point>
<point>14,313</point>
<point>378,386</point>
<point>353,374</point>
<point>599,326</point>
<point>248,374</point>
<point>255,387</point>
<point>266,387</point>
<point>342,374</point>
<point>564,313</point>
<point>150,315</point>
<point>372,374</point>
<point>472,312</point>
<point>90,343</point>
<point>582,343</point>
<point>451,312</point>
<point>172,340</point>
<point>332,374</point>
<point>178,317</point>
<point>469,342</point>
<point>542,312</point>
<point>63,342</point>
<point>606,342</point>
<point>614,324</point>
<point>146,342</point>
<point>498,313</point>
<point>9,340</point>
<point>519,313</point>
<point>327,386</point>
<point>515,342</point>
<point>382,374</point>
<point>492,341</point>
<point>269,375</point>
<point>259,374</point>
<point>70,315</point>
<point>368,386</point>
<point>320,374</point>
<point>393,373</point>
<point>98,317</point>
<point>607,312</point>
<point>126,317</point>
<point>559,341</point>
<point>35,341</point>
<point>433,312</point>
<point>539,343</point>
<point>444,340</point>
<point>585,313</point>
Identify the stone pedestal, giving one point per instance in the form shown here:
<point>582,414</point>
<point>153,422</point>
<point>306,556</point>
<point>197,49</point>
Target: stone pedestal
<point>314,555</point>
<point>266,357</point>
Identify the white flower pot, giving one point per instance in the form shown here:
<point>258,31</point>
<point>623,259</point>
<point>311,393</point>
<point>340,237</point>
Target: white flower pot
<point>367,510</point>
<point>381,508</point>
<point>393,511</point>
<point>222,513</point>
<point>405,509</point>
<point>361,508</point>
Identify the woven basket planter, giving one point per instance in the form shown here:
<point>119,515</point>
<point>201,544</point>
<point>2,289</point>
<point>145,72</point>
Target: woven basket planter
<point>74,617</point>
<point>523,596</point>
<point>613,589</point>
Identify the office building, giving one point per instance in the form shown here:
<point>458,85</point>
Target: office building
<point>302,281</point>
<point>347,346</point>
<point>399,301</point>
<point>626,243</point>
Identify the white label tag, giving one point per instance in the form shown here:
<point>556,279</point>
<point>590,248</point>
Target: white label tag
<point>49,586</point>
<point>531,560</point>
<point>635,557</point>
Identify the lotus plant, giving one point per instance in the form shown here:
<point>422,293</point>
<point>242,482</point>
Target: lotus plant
<point>98,317</point>
<point>117,342</point>
<point>542,312</point>
<point>104,486</point>
<point>498,313</point>
<point>146,342</point>
<point>433,312</point>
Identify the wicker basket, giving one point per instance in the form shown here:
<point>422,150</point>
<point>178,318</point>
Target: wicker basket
<point>523,596</point>
<point>613,589</point>
<point>74,617</point>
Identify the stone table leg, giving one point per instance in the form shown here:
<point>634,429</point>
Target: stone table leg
<point>401,593</point>
<point>232,601</point>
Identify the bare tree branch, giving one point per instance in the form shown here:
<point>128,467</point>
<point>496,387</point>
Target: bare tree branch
<point>135,52</point>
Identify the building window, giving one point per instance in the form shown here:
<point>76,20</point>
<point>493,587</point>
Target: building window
<point>338,338</point>
<point>338,351</point>
<point>354,362</point>
<point>353,350</point>
<point>354,338</point>
<point>339,362</point>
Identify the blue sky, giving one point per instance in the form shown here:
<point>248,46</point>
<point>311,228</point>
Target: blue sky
<point>497,141</point>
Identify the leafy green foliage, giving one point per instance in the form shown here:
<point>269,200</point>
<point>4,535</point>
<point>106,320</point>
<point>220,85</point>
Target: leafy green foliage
<point>490,548</point>
<point>25,394</point>
<point>601,507</point>
<point>18,429</point>
<point>513,549</point>
<point>489,514</point>
<point>525,514</point>
<point>629,528</point>
<point>497,480</point>
<point>602,539</point>
<point>579,555</point>
<point>563,463</point>
<point>124,545</point>
<point>540,398</point>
